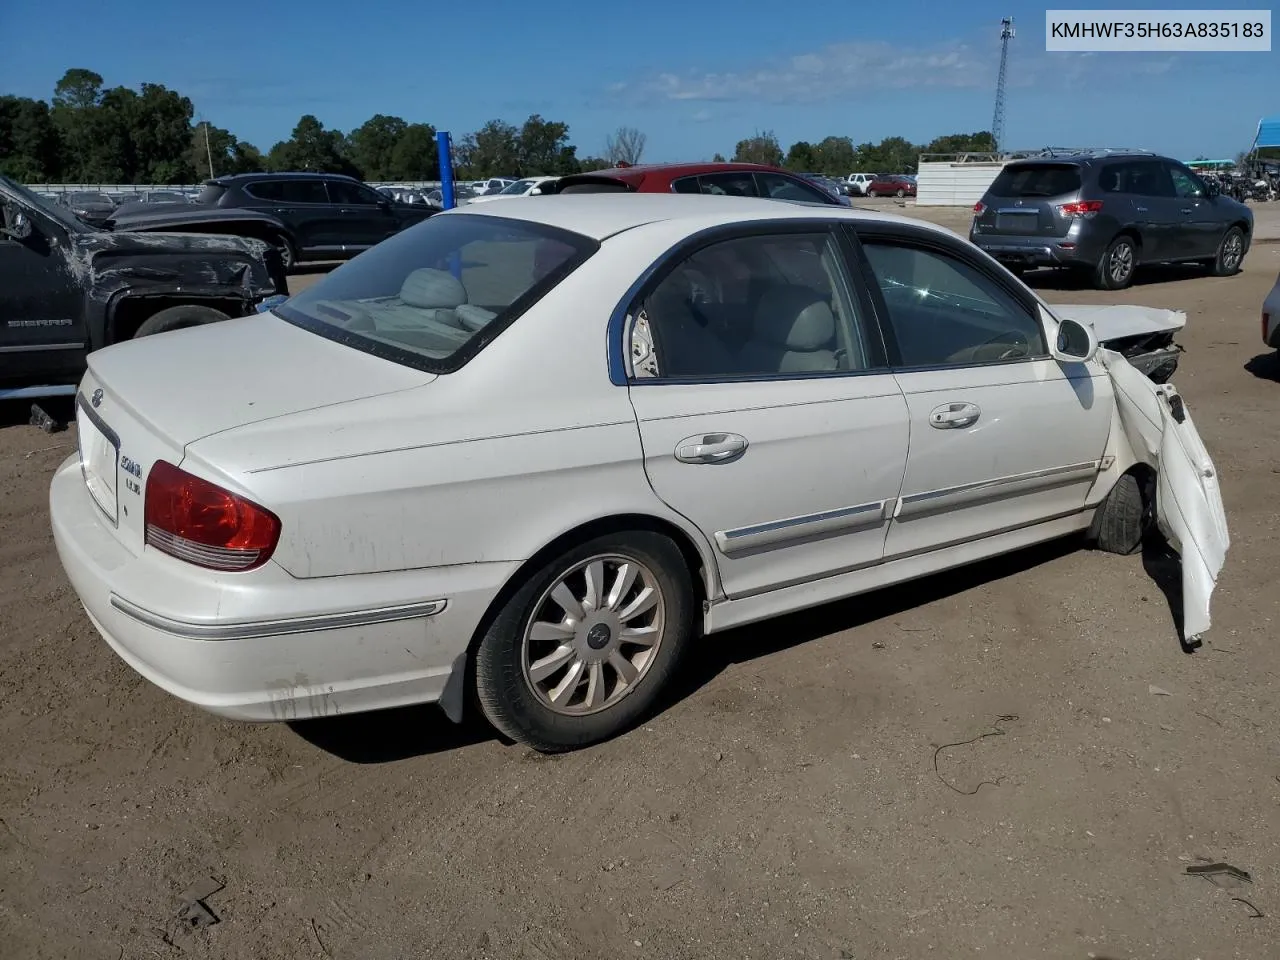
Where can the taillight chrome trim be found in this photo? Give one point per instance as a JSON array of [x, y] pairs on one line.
[[286, 626], [201, 554]]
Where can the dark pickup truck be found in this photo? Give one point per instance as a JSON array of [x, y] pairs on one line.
[[68, 288], [305, 216]]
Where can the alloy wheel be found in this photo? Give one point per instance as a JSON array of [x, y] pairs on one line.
[[1232, 252], [1120, 263], [593, 634]]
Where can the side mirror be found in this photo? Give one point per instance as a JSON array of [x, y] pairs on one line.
[[1076, 343], [17, 225]]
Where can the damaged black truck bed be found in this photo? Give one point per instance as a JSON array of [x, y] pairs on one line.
[[68, 288]]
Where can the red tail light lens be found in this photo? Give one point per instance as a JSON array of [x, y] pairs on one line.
[[1085, 208], [199, 522], [979, 208]]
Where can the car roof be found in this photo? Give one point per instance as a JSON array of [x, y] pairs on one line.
[[242, 177], [673, 170], [602, 215]]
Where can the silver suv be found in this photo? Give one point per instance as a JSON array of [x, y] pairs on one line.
[[1108, 213]]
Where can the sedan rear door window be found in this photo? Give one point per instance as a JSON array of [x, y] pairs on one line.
[[432, 296], [759, 306]]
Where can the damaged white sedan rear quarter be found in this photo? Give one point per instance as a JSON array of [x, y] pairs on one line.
[[520, 455]]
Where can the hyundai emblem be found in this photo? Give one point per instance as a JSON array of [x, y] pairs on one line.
[[96, 399]]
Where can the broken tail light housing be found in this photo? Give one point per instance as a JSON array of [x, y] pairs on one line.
[[199, 522], [1084, 209]]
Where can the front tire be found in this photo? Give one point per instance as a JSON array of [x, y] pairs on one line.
[[1115, 269], [901, 193], [586, 644], [1230, 254], [179, 318], [288, 256], [1123, 518]]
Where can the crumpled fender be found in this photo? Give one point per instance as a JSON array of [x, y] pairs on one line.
[[1189, 507]]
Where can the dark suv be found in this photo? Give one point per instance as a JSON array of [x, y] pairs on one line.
[[1108, 213], [306, 216]]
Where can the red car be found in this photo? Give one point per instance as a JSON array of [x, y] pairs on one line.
[[891, 185], [730, 179]]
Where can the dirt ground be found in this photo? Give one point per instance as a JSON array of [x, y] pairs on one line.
[[789, 801]]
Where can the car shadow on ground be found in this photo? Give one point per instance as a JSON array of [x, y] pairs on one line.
[[1265, 366], [1083, 279], [391, 735]]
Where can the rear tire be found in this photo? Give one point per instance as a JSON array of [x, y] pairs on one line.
[[179, 318], [1116, 268], [1123, 518], [288, 256], [536, 650], [901, 193], [1230, 254]]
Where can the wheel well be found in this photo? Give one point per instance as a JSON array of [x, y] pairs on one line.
[[131, 312], [1244, 227], [1130, 232], [587, 531]]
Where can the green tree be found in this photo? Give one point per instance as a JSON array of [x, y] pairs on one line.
[[29, 145], [981, 142], [718, 158], [160, 130], [75, 106], [229, 154], [761, 148], [78, 89], [835, 156], [415, 155], [491, 151], [312, 148], [374, 142], [544, 148], [802, 156]]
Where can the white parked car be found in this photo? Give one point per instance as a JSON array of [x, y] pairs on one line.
[[858, 183], [531, 456], [1271, 317], [529, 186], [483, 188]]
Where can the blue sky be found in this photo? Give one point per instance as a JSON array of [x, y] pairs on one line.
[[694, 77]]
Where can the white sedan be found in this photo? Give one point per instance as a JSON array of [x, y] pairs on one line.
[[529, 452], [528, 187]]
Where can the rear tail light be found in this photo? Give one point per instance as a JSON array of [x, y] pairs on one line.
[[979, 208], [1084, 208], [199, 522]]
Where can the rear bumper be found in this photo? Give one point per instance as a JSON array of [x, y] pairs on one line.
[[264, 645], [1037, 251]]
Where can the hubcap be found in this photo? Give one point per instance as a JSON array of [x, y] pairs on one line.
[[1121, 263], [594, 635], [1232, 252]]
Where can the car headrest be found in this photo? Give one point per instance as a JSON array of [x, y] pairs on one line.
[[433, 290], [798, 318]]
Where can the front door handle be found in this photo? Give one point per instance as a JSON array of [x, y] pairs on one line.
[[711, 448], [1141, 209], [1186, 209], [954, 416]]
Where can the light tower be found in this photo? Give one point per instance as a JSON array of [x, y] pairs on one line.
[[997, 121]]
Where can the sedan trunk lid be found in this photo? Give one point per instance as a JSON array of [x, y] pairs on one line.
[[144, 400]]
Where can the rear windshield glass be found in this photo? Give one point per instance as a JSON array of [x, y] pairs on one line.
[[432, 296], [1037, 180]]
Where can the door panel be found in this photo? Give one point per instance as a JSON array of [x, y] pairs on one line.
[[1002, 436], [811, 493], [42, 325], [766, 412], [1199, 226], [1031, 454]]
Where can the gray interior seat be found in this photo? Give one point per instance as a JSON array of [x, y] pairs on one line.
[[794, 332]]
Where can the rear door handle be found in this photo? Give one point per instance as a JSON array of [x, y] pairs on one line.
[[1186, 209], [954, 416], [711, 448], [1141, 209]]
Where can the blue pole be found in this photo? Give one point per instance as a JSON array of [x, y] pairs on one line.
[[445, 149]]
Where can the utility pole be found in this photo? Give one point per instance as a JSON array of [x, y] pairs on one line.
[[997, 121], [209, 150]]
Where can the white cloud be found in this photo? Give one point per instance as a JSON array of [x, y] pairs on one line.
[[702, 116], [831, 72], [839, 70]]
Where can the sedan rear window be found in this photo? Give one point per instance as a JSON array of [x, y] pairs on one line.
[[431, 296], [1037, 180]]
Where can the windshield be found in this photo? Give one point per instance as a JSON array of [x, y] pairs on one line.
[[519, 187], [49, 207], [88, 198], [432, 296]]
